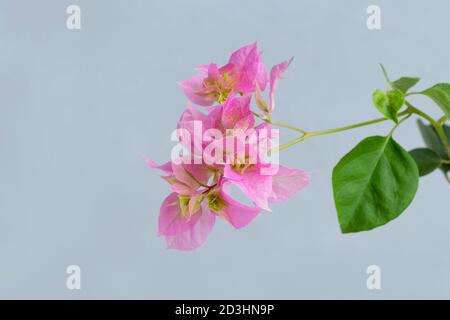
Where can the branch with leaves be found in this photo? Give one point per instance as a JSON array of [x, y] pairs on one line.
[[378, 179], [372, 184]]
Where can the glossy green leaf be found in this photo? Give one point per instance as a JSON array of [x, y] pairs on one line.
[[373, 184], [446, 167], [447, 131], [381, 102], [431, 138], [433, 142], [389, 103], [396, 100], [440, 94], [426, 159], [405, 83]]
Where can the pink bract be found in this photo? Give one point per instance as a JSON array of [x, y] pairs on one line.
[[240, 75]]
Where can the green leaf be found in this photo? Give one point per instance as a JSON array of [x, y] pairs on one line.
[[381, 102], [440, 94], [426, 159], [389, 103], [396, 100], [447, 131], [433, 142], [431, 139], [373, 184], [446, 167], [405, 83]]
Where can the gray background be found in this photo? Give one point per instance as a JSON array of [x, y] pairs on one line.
[[77, 108]]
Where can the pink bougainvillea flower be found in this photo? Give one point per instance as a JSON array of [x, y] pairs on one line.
[[263, 189], [196, 235], [250, 67], [236, 113], [275, 75], [260, 187], [185, 221], [165, 167], [236, 213], [256, 186], [241, 74], [201, 180], [190, 136], [286, 182], [188, 214], [265, 182], [212, 86]]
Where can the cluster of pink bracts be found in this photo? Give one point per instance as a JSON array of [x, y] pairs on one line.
[[201, 192]]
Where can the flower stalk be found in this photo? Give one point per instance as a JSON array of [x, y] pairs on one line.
[[437, 125]]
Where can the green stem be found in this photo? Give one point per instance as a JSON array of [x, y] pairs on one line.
[[385, 74], [282, 125], [307, 135], [442, 120], [436, 124], [420, 113], [353, 126], [288, 144]]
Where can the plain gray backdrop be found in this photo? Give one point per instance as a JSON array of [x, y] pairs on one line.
[[79, 107]]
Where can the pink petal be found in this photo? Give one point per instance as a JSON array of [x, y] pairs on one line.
[[239, 57], [251, 68], [166, 167], [171, 222], [257, 187], [264, 126], [181, 188], [260, 103], [194, 91], [192, 175], [268, 138], [215, 117], [287, 182], [181, 175], [228, 68], [195, 203], [238, 214], [237, 114], [231, 174], [213, 72], [261, 75], [191, 126], [191, 114], [203, 68], [275, 75], [201, 172], [195, 236]]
